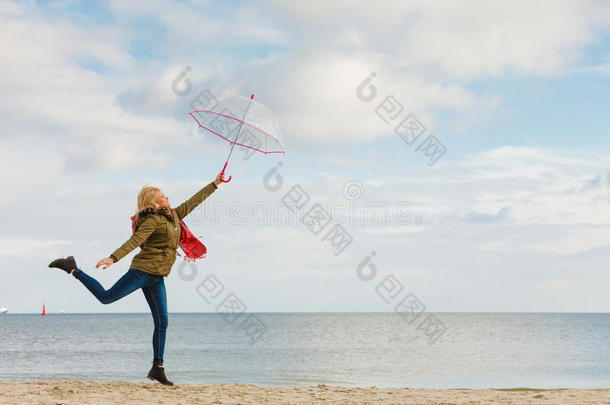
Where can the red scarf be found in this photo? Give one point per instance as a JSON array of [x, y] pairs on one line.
[[190, 245]]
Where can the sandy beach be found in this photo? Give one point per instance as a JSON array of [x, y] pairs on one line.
[[115, 392]]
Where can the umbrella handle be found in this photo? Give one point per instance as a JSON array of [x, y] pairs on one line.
[[223, 170]]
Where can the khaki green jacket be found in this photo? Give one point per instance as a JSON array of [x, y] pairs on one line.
[[159, 234]]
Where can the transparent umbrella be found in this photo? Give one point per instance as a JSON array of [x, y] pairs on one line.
[[242, 122]]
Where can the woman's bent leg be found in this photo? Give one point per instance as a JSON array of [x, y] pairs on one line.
[[157, 301], [131, 281]]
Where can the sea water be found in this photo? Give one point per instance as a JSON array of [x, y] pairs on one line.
[[477, 350]]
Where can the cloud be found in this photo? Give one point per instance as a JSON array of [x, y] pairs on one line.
[[465, 40], [54, 96], [199, 25], [31, 247], [483, 218], [472, 39], [313, 93], [546, 234]]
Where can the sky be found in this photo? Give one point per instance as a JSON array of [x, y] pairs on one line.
[[495, 199]]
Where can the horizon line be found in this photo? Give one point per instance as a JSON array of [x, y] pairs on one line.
[[312, 312]]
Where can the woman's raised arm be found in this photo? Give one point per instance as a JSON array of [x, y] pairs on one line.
[[189, 205]]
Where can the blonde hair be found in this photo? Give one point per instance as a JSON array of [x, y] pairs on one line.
[[148, 198]]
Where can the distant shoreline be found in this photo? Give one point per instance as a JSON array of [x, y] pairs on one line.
[[116, 392]]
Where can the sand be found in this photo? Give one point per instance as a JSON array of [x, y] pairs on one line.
[[115, 392]]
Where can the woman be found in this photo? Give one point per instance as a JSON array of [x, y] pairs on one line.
[[157, 231]]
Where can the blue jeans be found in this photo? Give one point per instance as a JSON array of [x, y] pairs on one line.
[[154, 291]]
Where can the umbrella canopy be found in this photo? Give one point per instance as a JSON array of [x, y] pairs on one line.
[[243, 122]]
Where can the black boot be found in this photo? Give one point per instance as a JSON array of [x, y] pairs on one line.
[[68, 264], [158, 373]]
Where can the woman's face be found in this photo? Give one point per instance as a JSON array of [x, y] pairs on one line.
[[162, 200]]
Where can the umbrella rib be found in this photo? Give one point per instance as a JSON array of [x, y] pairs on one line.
[[239, 130]]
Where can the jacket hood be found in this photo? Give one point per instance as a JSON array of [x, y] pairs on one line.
[[151, 211], [146, 212]]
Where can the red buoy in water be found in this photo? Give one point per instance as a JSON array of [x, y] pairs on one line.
[[44, 312]]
